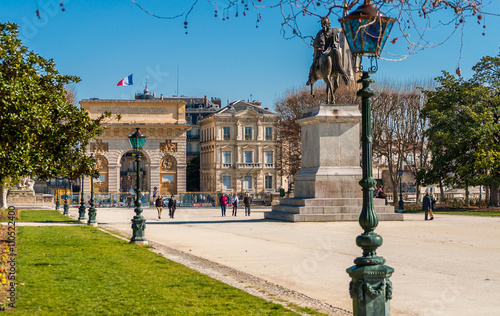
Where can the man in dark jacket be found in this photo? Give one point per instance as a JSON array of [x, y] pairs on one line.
[[159, 205], [247, 201], [426, 205], [172, 205]]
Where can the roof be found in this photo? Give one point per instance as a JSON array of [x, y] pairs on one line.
[[240, 106]]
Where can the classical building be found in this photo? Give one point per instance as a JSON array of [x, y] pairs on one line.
[[163, 121], [238, 150], [197, 109]]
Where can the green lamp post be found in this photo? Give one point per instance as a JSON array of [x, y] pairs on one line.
[[66, 206], [92, 211], [137, 141], [81, 209], [58, 203], [366, 30]]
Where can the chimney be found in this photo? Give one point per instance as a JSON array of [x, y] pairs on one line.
[[161, 96]]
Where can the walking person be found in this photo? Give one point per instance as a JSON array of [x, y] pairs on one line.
[[223, 204], [247, 201], [172, 205], [427, 205], [235, 204], [159, 205], [433, 204]]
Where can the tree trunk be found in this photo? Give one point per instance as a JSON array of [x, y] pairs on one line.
[[417, 193], [441, 190], [467, 201], [494, 196], [487, 193]]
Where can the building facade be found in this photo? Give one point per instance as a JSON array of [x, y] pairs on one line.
[[197, 109], [239, 148], [163, 167]]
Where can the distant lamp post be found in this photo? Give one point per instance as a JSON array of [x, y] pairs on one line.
[[81, 209], [366, 30], [92, 211], [401, 202], [66, 206], [58, 203], [137, 141]]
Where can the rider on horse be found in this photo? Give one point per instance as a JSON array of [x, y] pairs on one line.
[[326, 39]]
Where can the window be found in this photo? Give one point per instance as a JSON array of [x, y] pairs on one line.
[[188, 134], [248, 133], [188, 148], [248, 157], [269, 182], [226, 131], [269, 133], [226, 157], [268, 156], [226, 182], [247, 183]]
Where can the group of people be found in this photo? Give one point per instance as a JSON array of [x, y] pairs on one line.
[[160, 204], [428, 205], [225, 200]]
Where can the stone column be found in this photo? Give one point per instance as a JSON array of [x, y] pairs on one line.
[[113, 178]]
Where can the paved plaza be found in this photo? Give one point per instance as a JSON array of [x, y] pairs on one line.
[[448, 266]]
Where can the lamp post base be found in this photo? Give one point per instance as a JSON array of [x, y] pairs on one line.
[[370, 289], [92, 217], [401, 206], [138, 227], [81, 213], [66, 209]]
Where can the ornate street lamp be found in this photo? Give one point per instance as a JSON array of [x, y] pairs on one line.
[[81, 209], [92, 211], [401, 207], [366, 30], [137, 141], [66, 206]]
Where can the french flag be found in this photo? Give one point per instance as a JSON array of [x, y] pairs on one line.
[[127, 81]]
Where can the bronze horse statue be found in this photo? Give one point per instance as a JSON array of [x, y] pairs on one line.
[[329, 68]]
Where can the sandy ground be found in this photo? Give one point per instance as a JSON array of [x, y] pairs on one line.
[[443, 267]]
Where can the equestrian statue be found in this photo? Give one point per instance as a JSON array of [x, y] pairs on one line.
[[327, 63]]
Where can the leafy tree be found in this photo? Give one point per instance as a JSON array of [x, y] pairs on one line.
[[42, 135], [398, 130], [464, 135]]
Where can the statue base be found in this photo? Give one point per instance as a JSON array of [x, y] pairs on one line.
[[21, 196], [327, 186]]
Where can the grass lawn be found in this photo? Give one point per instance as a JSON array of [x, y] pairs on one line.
[[83, 271], [42, 216]]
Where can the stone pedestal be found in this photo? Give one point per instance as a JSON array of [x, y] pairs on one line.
[[327, 185], [21, 196]]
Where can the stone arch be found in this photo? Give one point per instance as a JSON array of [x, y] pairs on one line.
[[168, 175]]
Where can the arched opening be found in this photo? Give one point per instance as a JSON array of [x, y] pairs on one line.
[[128, 173]]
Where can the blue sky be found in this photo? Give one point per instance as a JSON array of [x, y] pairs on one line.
[[104, 41]]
